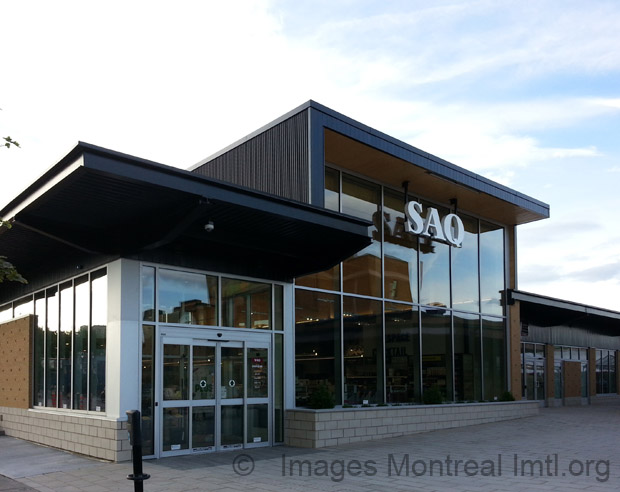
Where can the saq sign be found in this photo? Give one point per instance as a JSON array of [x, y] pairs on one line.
[[449, 229]]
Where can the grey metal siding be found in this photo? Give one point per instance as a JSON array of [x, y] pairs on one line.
[[274, 161]]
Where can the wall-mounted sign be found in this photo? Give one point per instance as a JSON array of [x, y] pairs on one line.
[[449, 229]]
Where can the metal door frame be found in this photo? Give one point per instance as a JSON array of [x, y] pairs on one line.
[[216, 339]]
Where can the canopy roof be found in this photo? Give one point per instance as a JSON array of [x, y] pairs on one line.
[[96, 205]]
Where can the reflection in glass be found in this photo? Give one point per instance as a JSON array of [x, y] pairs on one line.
[[434, 273], [148, 390], [437, 351], [51, 339], [278, 396], [232, 426], [400, 251], [361, 274], [612, 371], [557, 379], [203, 428], [332, 189], [148, 293], [246, 304], [530, 381], [99, 320], [467, 360], [176, 429], [584, 380], [203, 373], [6, 312], [465, 296], [23, 307], [258, 423], [278, 307], [363, 350], [326, 280], [39, 350], [64, 345], [540, 381], [232, 372], [494, 358], [491, 268], [317, 344], [186, 297], [176, 373], [80, 348], [402, 353], [258, 381]]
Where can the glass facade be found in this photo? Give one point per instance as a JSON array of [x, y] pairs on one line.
[[200, 300], [605, 371], [69, 342], [408, 313]]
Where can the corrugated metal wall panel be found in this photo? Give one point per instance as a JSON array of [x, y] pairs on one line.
[[275, 161]]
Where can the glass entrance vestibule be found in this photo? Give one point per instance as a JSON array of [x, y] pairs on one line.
[[212, 362], [215, 393]]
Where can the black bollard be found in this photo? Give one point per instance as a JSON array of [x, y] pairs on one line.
[[134, 427]]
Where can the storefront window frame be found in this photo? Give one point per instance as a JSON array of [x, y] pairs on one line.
[[417, 304]]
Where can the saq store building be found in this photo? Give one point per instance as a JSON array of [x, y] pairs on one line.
[[315, 254]]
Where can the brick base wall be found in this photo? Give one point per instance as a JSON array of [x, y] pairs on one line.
[[88, 434], [307, 428]]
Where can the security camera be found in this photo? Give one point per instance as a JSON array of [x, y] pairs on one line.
[[209, 227]]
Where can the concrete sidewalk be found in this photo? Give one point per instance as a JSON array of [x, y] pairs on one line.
[[560, 449]]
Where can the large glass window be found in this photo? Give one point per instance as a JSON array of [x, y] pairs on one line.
[[332, 189], [317, 344], [493, 357], [465, 286], [402, 353], [246, 304], [51, 347], [69, 348], [99, 321], [434, 273], [148, 293], [400, 251], [605, 371], [437, 351], [363, 350], [80, 346], [453, 349], [361, 274], [148, 390], [467, 361], [491, 268], [64, 345], [23, 307], [185, 297]]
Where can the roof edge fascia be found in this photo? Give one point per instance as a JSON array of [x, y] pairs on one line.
[[519, 295]]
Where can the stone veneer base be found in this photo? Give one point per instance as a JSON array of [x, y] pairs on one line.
[[308, 428], [87, 434]]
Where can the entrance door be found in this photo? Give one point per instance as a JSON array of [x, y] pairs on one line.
[[215, 395], [534, 371]]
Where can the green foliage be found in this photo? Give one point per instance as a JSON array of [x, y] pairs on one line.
[[506, 396], [8, 141], [433, 396], [321, 398], [9, 273]]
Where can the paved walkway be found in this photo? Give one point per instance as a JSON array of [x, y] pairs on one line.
[[563, 449]]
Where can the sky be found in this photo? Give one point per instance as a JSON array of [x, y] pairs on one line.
[[524, 93]]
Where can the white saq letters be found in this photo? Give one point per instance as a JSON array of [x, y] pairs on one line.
[[449, 229]]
